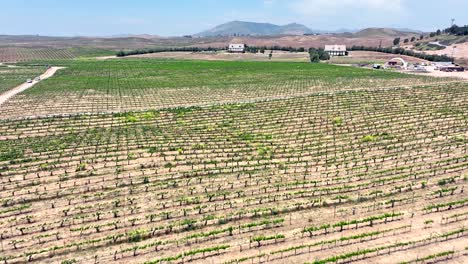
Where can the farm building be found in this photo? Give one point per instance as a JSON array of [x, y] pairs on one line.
[[452, 68], [236, 48], [397, 63], [439, 65], [336, 50]]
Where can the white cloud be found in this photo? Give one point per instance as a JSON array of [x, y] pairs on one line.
[[326, 7]]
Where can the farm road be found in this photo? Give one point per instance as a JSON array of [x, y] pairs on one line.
[[7, 95]]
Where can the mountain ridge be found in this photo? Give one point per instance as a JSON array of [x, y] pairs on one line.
[[244, 28], [254, 29]]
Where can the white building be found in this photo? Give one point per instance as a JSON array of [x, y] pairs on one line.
[[236, 48], [439, 65], [336, 50]]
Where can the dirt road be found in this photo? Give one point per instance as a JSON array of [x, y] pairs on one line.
[[7, 95], [106, 57]]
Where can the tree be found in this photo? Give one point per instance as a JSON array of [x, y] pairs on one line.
[[413, 39], [406, 41], [433, 34], [456, 30], [396, 41], [421, 37], [314, 57], [438, 33], [323, 55]]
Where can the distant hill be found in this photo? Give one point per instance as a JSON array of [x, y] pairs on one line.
[[409, 30], [242, 28], [255, 29], [143, 36], [385, 32]]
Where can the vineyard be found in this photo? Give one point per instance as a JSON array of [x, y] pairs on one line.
[[17, 54], [10, 77], [137, 85], [155, 161]]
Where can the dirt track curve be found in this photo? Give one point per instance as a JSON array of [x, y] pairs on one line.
[[9, 94]]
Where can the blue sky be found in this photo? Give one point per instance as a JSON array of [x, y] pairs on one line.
[[179, 17]]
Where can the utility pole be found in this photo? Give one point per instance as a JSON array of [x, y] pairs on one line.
[[453, 50]]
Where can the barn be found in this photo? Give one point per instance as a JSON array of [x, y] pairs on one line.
[[336, 50], [236, 48]]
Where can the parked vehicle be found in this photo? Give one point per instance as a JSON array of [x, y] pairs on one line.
[[29, 81], [37, 79]]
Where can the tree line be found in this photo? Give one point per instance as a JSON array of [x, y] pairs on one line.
[[456, 30], [397, 41], [159, 50], [453, 30], [249, 49], [316, 55], [262, 49], [402, 51]]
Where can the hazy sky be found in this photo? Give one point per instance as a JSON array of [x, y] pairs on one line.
[[179, 17]]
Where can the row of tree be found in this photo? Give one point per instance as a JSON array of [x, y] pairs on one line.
[[262, 49], [402, 51], [250, 49], [456, 30], [453, 30], [397, 41], [158, 50], [316, 55]]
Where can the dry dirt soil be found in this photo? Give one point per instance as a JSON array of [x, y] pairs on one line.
[[277, 56], [460, 54], [461, 51], [370, 56], [139, 42], [434, 73]]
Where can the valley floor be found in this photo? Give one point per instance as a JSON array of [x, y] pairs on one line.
[[165, 161]]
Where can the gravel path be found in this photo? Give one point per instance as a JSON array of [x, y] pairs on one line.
[[7, 95]]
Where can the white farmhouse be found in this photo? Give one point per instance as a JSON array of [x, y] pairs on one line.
[[236, 48], [336, 50]]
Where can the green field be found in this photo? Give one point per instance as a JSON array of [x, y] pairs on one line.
[[165, 161], [121, 85], [123, 75], [30, 54], [11, 77]]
